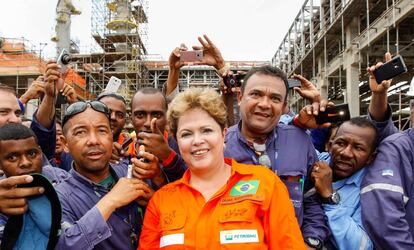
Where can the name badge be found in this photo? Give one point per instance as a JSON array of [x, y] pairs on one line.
[[172, 239], [238, 236]]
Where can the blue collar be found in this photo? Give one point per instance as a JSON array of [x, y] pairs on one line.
[[355, 179], [90, 184], [269, 140]]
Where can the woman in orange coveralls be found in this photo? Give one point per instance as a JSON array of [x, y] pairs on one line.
[[218, 203]]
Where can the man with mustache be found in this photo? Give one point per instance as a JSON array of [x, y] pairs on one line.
[[98, 203], [351, 150], [149, 108], [259, 139]]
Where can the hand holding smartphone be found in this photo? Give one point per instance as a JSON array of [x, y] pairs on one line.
[[293, 82], [390, 69], [191, 56], [338, 113]]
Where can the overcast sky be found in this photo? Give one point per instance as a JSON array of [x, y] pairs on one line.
[[242, 29]]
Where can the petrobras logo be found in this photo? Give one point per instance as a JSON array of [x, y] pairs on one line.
[[239, 236]]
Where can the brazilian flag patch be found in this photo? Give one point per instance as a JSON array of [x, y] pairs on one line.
[[245, 187]]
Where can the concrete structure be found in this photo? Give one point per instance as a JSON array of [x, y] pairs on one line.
[[332, 42], [64, 10]]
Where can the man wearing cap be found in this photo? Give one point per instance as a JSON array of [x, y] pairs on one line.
[[98, 203], [20, 155]]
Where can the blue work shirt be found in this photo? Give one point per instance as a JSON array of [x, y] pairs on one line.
[[46, 138], [386, 127], [387, 194], [66, 160], [344, 219], [292, 156], [83, 226], [54, 175]]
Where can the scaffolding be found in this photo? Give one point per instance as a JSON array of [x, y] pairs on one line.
[[195, 75], [20, 63], [332, 42], [120, 30]]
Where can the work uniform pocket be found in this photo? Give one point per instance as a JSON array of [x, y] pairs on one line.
[[240, 220], [172, 220], [294, 184]]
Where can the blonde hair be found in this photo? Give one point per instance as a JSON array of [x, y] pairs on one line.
[[206, 99]]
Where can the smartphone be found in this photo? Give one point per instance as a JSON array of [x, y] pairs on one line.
[[63, 60], [126, 143], [113, 85], [191, 56], [338, 113], [293, 82], [60, 100], [390, 69]]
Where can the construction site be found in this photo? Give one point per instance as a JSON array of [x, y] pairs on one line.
[[120, 31], [330, 42]]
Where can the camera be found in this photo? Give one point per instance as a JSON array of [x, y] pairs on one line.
[[63, 60], [233, 80]]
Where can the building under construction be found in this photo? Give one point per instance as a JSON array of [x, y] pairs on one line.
[[119, 28], [332, 42]]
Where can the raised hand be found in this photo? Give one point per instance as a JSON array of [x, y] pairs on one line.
[[174, 60], [383, 86], [35, 90], [154, 142], [70, 93], [211, 54]]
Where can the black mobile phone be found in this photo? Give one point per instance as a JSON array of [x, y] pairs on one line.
[[338, 113], [60, 100], [292, 82], [390, 69], [126, 143]]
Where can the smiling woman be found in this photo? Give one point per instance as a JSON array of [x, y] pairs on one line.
[[243, 206]]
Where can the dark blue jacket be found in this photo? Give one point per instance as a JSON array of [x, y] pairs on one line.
[[292, 155], [387, 194]]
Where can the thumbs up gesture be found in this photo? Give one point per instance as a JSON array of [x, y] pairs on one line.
[[154, 142]]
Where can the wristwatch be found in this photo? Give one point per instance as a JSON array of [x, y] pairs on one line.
[[332, 199], [313, 242]]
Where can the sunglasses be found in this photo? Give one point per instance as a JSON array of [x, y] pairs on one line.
[[79, 107], [260, 150]]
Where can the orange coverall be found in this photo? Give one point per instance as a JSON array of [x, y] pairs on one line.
[[252, 211]]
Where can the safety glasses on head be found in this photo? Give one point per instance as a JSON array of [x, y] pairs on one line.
[[79, 107]]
